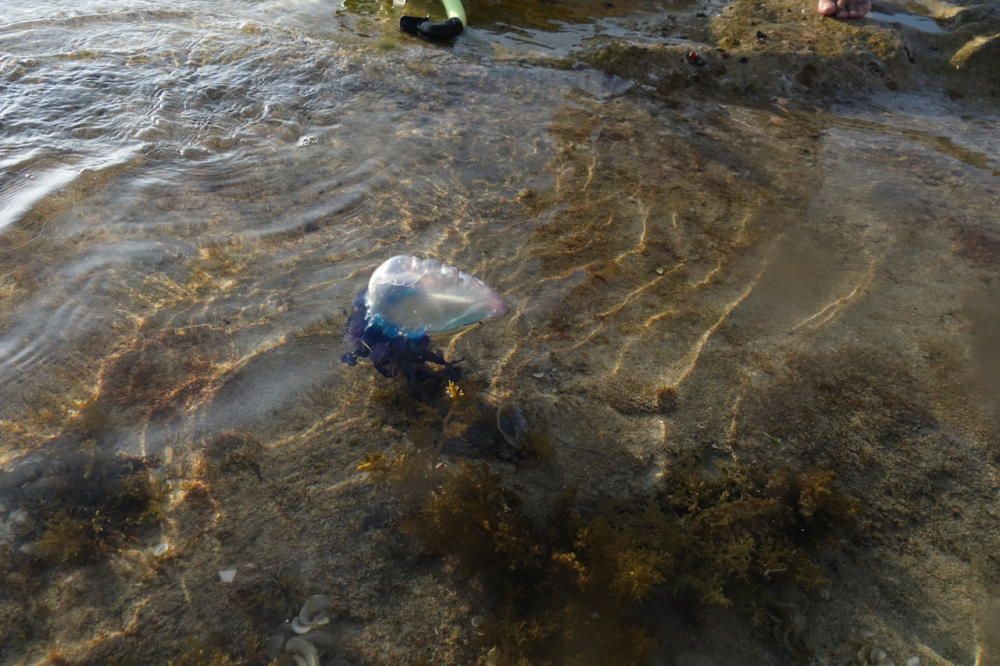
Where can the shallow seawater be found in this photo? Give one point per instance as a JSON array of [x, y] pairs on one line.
[[192, 194], [921, 23]]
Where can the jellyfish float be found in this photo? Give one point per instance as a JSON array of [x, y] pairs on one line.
[[409, 300]]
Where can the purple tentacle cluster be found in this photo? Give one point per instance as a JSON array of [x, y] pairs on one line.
[[393, 355]]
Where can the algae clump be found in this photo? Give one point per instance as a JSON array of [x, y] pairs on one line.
[[568, 581], [91, 504]]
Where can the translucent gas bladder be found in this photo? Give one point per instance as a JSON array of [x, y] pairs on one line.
[[414, 297], [409, 299]]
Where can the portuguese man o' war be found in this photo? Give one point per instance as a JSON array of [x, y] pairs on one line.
[[407, 301]]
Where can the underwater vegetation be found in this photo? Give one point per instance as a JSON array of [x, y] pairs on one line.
[[568, 582], [273, 628], [232, 453], [407, 301], [198, 655], [270, 599], [460, 418], [88, 504], [70, 505]]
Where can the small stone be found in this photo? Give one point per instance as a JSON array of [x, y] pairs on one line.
[[538, 375], [161, 548], [660, 270], [913, 661], [18, 525], [512, 425], [227, 575], [878, 657]]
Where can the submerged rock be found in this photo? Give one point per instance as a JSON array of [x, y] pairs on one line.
[[512, 425]]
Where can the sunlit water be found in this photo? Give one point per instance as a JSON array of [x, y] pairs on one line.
[[192, 193]]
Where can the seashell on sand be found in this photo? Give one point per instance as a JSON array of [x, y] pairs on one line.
[[303, 652]]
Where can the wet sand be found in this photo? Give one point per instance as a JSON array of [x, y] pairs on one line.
[[788, 262]]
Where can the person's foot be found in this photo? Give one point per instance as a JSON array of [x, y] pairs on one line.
[[845, 8]]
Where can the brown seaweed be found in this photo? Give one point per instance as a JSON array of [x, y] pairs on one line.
[[568, 581]]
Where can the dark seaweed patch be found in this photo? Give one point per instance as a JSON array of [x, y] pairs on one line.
[[569, 582], [87, 503]]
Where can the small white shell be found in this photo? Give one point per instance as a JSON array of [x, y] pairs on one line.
[[314, 611], [227, 575], [302, 651]]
